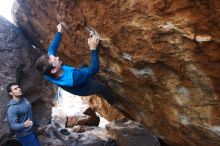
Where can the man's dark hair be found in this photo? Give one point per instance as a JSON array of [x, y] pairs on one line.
[[43, 65], [9, 86]]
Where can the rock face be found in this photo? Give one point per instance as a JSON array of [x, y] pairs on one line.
[[161, 58], [94, 137], [130, 133], [18, 59], [88, 117]]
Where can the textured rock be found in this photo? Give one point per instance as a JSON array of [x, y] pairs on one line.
[[88, 117], [17, 59], [130, 133], [101, 106], [161, 58], [94, 137], [55, 133]]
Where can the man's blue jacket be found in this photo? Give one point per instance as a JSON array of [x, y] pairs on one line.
[[73, 80]]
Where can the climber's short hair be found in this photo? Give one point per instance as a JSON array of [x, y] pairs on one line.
[[9, 86], [43, 65]]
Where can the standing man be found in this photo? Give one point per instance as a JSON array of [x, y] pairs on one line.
[[71, 79], [20, 117]]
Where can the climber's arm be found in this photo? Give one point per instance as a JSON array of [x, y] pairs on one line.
[[52, 50]]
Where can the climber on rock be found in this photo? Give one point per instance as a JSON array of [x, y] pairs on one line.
[[76, 81], [19, 116]]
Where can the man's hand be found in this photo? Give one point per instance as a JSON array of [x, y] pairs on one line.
[[28, 123], [93, 42], [60, 27]]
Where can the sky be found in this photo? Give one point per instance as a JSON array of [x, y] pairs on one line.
[[5, 9]]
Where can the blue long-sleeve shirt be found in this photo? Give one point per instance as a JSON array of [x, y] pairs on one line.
[[19, 112], [73, 80]]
